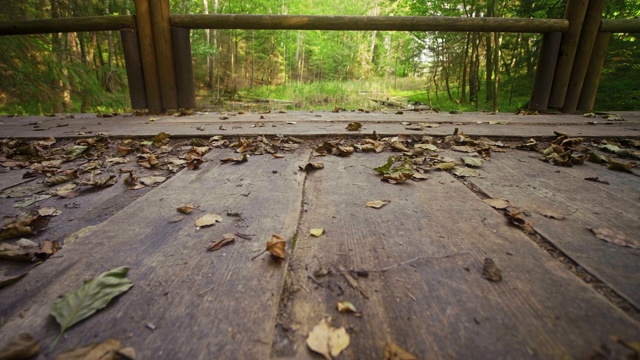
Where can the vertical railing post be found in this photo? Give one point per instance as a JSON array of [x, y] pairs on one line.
[[160, 13], [545, 70], [583, 54], [148, 56], [133, 63], [184, 68], [575, 11], [592, 79]]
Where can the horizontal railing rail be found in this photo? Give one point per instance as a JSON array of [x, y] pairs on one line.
[[303, 22]]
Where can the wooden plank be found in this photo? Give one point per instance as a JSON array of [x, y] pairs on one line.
[[545, 70], [164, 52], [583, 55], [202, 304], [387, 23], [592, 79], [148, 53], [531, 184], [63, 25], [575, 12], [185, 82], [424, 253], [133, 63]]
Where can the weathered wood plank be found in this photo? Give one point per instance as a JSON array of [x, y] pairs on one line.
[[203, 304], [531, 184], [424, 255], [185, 83]]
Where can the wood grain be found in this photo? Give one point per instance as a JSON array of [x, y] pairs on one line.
[[533, 185], [203, 305], [423, 255]]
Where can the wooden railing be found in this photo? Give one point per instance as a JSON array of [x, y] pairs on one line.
[[157, 46]]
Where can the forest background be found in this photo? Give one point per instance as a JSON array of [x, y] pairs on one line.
[[85, 72]]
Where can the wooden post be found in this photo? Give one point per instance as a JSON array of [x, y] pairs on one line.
[[575, 12], [185, 83], [583, 54], [160, 13], [148, 56], [133, 63], [545, 70], [592, 80]]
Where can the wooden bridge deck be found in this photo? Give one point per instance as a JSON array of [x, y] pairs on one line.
[[413, 268]]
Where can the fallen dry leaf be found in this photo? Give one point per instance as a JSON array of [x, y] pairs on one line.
[[316, 232], [24, 346], [354, 126], [217, 244], [395, 352], [312, 166], [346, 306], [377, 204], [490, 271], [194, 164], [47, 249], [242, 159], [110, 349], [327, 340], [49, 211], [516, 218], [152, 180], [551, 214], [497, 203], [277, 246], [615, 237], [208, 220], [188, 208], [466, 172]]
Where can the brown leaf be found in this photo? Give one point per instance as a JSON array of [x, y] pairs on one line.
[[551, 214], [354, 126], [110, 349], [395, 352], [516, 218], [208, 220], [377, 204], [24, 346], [397, 177], [615, 237], [619, 166], [277, 246], [497, 203], [61, 178], [152, 180], [226, 240], [15, 252], [47, 249], [312, 166], [194, 164], [490, 271], [161, 139], [49, 211], [242, 159], [398, 146], [188, 208]]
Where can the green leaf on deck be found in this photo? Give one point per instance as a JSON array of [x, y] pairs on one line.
[[161, 139], [466, 172], [94, 295], [76, 150], [397, 169]]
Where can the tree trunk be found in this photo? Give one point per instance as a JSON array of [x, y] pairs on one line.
[[465, 58], [497, 39]]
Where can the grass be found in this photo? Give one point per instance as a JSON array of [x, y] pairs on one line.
[[358, 94]]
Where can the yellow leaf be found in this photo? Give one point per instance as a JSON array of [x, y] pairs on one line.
[[377, 203], [316, 232], [327, 340], [346, 306], [188, 208], [208, 220], [395, 352]]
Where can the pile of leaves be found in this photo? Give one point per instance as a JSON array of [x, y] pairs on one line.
[[569, 151]]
